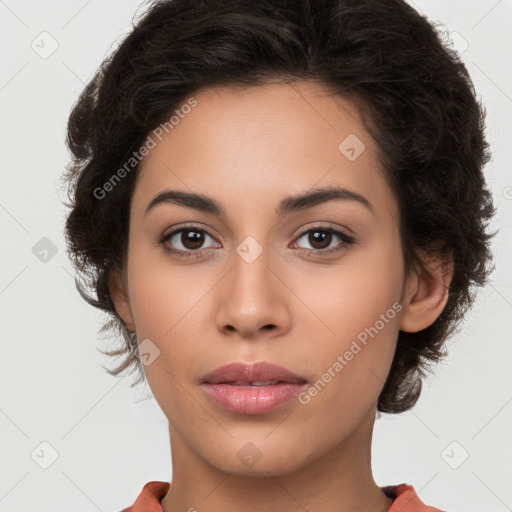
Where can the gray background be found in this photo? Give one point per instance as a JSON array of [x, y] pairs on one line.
[[109, 439]]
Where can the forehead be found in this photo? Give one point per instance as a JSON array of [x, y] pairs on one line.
[[252, 142]]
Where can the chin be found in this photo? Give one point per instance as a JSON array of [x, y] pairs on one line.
[[246, 458], [261, 469]]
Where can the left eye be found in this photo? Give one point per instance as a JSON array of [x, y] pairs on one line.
[[321, 238]]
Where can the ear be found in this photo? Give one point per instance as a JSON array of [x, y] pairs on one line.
[[118, 286], [426, 293]]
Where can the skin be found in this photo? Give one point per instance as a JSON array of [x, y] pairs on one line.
[[248, 148]]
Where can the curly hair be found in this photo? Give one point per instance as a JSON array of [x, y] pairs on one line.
[[415, 96]]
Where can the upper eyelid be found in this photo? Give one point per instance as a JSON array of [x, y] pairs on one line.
[[184, 227]]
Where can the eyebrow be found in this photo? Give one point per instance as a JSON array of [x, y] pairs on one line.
[[288, 205]]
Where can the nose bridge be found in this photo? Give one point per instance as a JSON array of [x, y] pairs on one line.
[[250, 273], [251, 298]]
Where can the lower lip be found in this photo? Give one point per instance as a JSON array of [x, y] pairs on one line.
[[252, 400]]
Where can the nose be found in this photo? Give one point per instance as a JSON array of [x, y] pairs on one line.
[[253, 298]]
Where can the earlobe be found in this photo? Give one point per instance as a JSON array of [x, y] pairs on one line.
[[118, 292], [426, 295]]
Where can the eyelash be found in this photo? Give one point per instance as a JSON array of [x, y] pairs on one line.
[[347, 240]]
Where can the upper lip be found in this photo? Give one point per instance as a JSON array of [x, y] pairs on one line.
[[250, 372]]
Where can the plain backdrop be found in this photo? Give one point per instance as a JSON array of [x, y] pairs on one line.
[[102, 440]]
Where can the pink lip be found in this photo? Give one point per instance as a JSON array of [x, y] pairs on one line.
[[246, 399]]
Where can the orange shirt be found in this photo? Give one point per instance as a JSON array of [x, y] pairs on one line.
[[406, 499]]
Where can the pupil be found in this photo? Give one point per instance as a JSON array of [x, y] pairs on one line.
[[320, 237], [192, 241]]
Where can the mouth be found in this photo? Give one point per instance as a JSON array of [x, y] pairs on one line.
[[254, 384], [252, 388], [261, 373]]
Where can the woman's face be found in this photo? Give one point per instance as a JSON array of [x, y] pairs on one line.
[[268, 279]]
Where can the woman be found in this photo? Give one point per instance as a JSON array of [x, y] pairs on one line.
[[282, 207]]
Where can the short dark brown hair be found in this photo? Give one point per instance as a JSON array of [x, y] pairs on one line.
[[415, 96]]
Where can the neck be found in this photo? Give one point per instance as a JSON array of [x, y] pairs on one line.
[[340, 479]]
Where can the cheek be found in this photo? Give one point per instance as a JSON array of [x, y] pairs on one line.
[[355, 329], [162, 308], [351, 297], [164, 305], [163, 296]]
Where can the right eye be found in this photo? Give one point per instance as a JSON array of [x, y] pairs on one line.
[[185, 241]]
